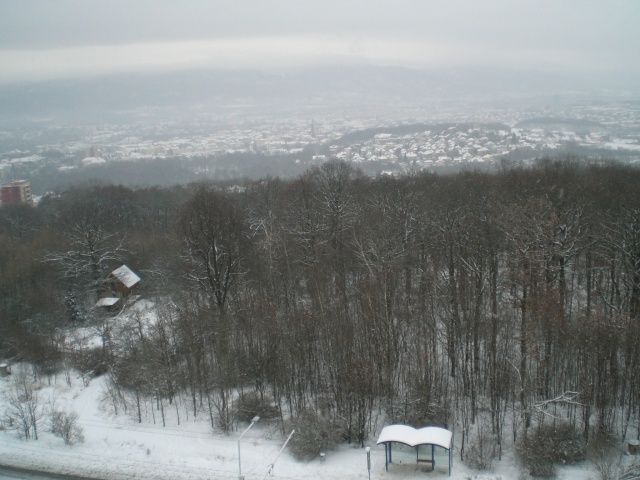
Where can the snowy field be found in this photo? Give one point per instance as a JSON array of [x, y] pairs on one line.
[[116, 447]]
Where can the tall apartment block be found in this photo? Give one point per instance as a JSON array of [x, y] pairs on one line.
[[16, 192]]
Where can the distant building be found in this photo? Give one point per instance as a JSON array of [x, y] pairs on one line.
[[16, 193]]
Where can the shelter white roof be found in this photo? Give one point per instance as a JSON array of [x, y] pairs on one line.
[[126, 276], [107, 301], [440, 437]]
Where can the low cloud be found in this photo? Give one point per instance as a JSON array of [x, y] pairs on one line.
[[285, 52]]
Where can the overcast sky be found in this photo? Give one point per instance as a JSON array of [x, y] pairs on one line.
[[42, 39]]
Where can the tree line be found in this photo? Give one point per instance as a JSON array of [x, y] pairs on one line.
[[495, 299]]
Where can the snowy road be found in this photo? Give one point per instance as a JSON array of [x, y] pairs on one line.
[[7, 473]]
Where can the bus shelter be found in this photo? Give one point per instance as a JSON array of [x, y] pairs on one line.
[[416, 437]]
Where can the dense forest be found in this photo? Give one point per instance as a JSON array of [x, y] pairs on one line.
[[489, 302]]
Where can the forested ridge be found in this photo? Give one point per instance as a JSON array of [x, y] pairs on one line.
[[496, 299]]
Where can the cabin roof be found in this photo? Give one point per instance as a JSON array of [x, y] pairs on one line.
[[126, 276]]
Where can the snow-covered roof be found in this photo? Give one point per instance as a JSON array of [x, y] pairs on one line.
[[107, 302], [126, 276], [413, 437]]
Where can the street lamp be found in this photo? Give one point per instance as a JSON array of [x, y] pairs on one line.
[[253, 420], [273, 464]]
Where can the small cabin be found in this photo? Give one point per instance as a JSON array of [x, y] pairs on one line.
[[117, 287], [109, 304], [123, 281], [5, 370]]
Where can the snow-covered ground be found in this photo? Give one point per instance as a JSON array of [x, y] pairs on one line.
[[116, 447], [141, 314]]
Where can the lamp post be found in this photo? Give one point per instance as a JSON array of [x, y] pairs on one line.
[[273, 464], [253, 421]]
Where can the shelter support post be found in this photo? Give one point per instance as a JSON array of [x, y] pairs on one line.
[[386, 457], [433, 460]]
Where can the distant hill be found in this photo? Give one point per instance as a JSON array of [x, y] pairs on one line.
[[126, 96], [553, 123]]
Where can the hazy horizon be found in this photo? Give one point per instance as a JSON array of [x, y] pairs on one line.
[[72, 39]]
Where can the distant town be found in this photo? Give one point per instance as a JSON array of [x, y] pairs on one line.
[[379, 145]]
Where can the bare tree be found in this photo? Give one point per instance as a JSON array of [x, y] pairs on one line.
[[25, 411]]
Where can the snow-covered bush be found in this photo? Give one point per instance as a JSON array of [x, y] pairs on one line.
[[314, 434], [605, 453], [482, 450], [616, 469], [65, 425], [90, 362], [630, 472], [251, 404], [550, 445]]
